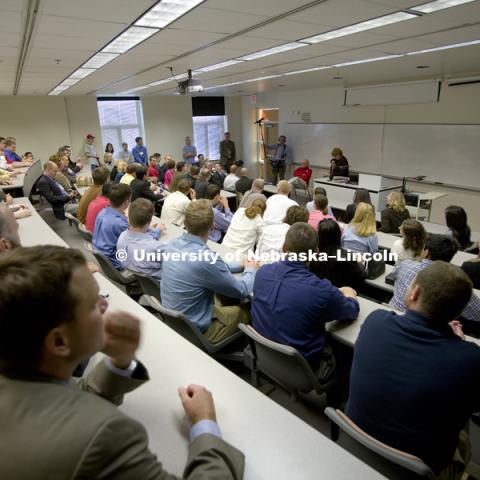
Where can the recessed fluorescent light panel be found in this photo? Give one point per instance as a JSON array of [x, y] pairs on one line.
[[445, 47], [82, 73], [306, 70], [100, 59], [366, 60], [267, 77], [128, 39], [438, 5], [166, 12], [361, 27], [272, 51], [217, 66]]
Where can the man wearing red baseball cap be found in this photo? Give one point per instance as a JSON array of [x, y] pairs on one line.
[[91, 153]]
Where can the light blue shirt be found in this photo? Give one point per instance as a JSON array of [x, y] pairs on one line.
[[140, 154], [125, 155], [354, 243], [143, 252], [190, 149], [189, 285], [221, 222]]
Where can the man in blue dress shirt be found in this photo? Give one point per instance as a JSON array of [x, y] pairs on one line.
[[190, 281], [291, 305], [414, 380], [139, 152], [222, 215], [189, 152]]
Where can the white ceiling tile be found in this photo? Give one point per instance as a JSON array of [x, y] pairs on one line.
[[457, 35], [414, 26], [361, 39], [398, 4], [12, 5], [269, 8], [288, 30], [193, 38], [10, 22], [462, 14], [68, 43], [406, 45]]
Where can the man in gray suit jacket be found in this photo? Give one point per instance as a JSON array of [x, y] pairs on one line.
[[51, 319]]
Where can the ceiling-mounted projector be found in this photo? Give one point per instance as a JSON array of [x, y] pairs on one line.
[[189, 86]]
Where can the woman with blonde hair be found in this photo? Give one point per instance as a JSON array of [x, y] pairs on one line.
[[245, 227], [413, 241], [121, 168], [395, 213], [361, 233]]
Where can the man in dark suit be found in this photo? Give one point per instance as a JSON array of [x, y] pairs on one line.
[[141, 188], [218, 175], [414, 379], [54, 193], [73, 433], [245, 183]]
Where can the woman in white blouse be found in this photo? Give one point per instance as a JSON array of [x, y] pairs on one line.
[[245, 227], [413, 241]]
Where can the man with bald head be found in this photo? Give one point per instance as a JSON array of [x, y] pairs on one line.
[[278, 204], [255, 193], [245, 183], [60, 200]]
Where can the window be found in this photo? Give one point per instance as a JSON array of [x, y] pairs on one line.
[[121, 120], [208, 133]]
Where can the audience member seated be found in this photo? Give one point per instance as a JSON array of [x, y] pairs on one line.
[[75, 166], [311, 205], [360, 195], [222, 215], [218, 175], [456, 220], [413, 241], [291, 305], [394, 214], [231, 179], [340, 272], [111, 222], [129, 175], [118, 171], [170, 164], [202, 183], [277, 205], [180, 172], [245, 228], [320, 212], [153, 166], [361, 233], [18, 210], [97, 205], [10, 153], [193, 174], [175, 204], [190, 285], [437, 247], [60, 176], [414, 379], [270, 243], [472, 269], [75, 430], [244, 184], [162, 169], [9, 237], [255, 193], [100, 176], [141, 188], [304, 172], [66, 170], [139, 243], [60, 200]]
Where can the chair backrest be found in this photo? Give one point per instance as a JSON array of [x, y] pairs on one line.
[[110, 271], [149, 285], [283, 364], [31, 176], [178, 322], [398, 457]]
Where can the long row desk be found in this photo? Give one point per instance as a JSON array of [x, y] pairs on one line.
[[277, 444]]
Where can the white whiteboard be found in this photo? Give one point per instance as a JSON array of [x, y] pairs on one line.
[[444, 153]]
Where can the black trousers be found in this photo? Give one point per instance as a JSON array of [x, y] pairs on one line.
[[278, 171]]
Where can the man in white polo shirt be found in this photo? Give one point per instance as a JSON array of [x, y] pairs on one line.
[[278, 204]]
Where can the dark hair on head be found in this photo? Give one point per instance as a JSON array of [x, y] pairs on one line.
[[119, 194], [141, 172], [456, 220], [301, 238], [212, 191], [362, 195], [132, 168], [321, 202], [184, 185], [441, 247], [194, 170], [109, 148], [35, 297], [320, 190], [140, 213], [100, 175], [137, 139], [414, 236], [171, 164], [329, 236], [180, 166], [106, 189], [296, 214], [445, 291]]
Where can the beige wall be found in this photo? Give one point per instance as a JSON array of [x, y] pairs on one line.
[[457, 105], [233, 111]]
